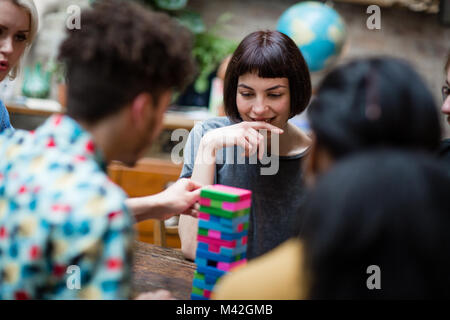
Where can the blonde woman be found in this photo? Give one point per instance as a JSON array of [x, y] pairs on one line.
[[18, 28]]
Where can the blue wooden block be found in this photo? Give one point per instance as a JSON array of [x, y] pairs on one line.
[[233, 236], [229, 252], [226, 221], [217, 257], [211, 271], [197, 297], [201, 284], [202, 245], [225, 235], [233, 252], [207, 278], [235, 221], [216, 226], [211, 279], [201, 261], [213, 218]]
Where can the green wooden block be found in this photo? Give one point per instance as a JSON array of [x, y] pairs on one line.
[[203, 232], [216, 204], [197, 291], [224, 213], [199, 276], [219, 195]]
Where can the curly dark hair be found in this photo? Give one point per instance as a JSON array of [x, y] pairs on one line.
[[121, 50]]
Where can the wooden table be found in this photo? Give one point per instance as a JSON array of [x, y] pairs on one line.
[[161, 268]]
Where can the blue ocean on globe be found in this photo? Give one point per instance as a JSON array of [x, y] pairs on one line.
[[318, 31]]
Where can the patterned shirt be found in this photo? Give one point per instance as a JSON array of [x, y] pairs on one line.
[[65, 232]]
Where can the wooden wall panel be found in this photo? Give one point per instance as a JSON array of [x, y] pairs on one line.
[[149, 176]]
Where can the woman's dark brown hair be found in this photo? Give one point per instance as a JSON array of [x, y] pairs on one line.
[[269, 54]]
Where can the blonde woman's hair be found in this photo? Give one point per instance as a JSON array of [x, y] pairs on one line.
[[30, 7]]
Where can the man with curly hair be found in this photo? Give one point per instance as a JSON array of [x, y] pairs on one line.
[[60, 215]]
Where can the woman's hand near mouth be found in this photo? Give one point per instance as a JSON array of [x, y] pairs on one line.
[[245, 134]]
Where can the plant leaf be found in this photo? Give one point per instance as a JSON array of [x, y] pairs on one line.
[[191, 20], [171, 4]]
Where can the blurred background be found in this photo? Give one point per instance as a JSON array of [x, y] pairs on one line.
[[416, 30]]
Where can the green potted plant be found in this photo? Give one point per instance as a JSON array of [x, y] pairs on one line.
[[209, 49]]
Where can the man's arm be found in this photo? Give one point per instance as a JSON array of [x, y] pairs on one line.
[[179, 198]]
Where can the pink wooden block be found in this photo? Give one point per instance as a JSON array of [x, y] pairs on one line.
[[240, 227], [223, 266], [219, 242], [205, 202], [244, 240], [236, 206], [207, 293], [238, 263], [203, 216], [227, 266], [213, 248], [214, 234]]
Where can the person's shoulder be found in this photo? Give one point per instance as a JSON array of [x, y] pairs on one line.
[[288, 252], [11, 135], [11, 138], [262, 278], [215, 122], [86, 190], [90, 177]]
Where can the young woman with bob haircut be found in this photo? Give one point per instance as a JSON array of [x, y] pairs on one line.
[[267, 82]]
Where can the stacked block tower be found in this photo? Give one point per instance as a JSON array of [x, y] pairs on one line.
[[222, 235]]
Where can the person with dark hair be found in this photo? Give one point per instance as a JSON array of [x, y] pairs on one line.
[[266, 83], [444, 150], [59, 212], [371, 103], [376, 227], [362, 105]]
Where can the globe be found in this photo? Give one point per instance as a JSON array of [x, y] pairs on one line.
[[318, 31]]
